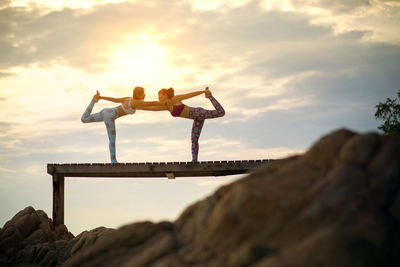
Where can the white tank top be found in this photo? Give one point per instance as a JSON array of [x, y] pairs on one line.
[[127, 106]]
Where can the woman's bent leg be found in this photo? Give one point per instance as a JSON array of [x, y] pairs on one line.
[[110, 114], [219, 110], [88, 117], [201, 113], [196, 131]]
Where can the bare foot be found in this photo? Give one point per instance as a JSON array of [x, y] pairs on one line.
[[96, 97], [207, 93]]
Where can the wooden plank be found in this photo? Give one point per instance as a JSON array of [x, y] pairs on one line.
[[159, 169]]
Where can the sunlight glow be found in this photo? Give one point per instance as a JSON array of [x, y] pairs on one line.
[[61, 4], [216, 4], [142, 58]]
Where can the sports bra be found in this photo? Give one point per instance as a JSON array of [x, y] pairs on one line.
[[177, 110], [128, 110]]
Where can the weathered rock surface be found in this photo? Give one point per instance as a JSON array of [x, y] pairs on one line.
[[26, 229], [336, 205], [30, 238]]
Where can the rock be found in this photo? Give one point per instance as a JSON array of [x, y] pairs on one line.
[[56, 253], [336, 205], [88, 238], [28, 236], [29, 227], [138, 244]]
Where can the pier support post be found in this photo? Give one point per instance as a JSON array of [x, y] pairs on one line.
[[58, 199]]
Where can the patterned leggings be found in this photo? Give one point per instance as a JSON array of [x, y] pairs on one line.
[[199, 115], [108, 115]]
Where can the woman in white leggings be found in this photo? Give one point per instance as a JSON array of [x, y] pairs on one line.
[[109, 115]]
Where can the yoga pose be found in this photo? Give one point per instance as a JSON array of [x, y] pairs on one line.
[[109, 115], [173, 103]]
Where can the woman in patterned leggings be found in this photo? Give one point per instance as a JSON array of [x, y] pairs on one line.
[[109, 115], [174, 104]]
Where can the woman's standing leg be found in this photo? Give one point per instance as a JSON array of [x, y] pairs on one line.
[[110, 114], [196, 131], [199, 115]]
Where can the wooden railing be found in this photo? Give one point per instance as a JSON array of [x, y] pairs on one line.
[[143, 170]]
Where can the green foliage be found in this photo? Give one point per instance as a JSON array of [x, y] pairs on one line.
[[390, 113]]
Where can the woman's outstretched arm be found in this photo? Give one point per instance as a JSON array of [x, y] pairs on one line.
[[112, 99], [115, 100], [154, 108], [189, 95], [138, 104]]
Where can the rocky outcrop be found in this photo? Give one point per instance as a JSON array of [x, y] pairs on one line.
[[30, 238], [88, 238], [56, 253], [27, 229], [336, 205]]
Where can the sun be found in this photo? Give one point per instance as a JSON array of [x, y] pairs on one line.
[[140, 58]]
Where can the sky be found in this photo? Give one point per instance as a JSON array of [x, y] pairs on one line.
[[286, 72]]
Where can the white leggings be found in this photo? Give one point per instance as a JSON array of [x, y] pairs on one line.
[[108, 115]]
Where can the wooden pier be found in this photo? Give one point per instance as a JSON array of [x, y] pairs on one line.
[[140, 170]]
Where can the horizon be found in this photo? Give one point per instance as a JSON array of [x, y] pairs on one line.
[[286, 73]]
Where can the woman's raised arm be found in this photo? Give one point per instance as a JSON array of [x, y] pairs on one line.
[[112, 99], [189, 95], [116, 100]]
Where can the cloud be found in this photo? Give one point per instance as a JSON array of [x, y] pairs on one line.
[[6, 74], [379, 18], [5, 127], [4, 3], [75, 37], [231, 40], [237, 149], [83, 38], [2, 169], [341, 6]]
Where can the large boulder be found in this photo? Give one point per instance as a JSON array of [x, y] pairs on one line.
[[336, 205]]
